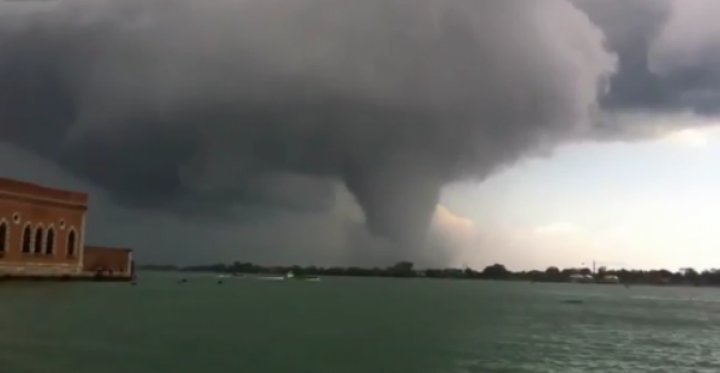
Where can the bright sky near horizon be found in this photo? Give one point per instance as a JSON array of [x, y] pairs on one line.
[[642, 204]]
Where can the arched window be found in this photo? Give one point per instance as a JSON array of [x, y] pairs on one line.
[[3, 236], [38, 240], [50, 242], [27, 234], [71, 244]]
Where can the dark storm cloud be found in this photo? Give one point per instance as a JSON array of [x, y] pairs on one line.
[[630, 26], [668, 56], [687, 52], [203, 105]]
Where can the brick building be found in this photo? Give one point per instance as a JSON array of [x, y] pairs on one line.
[[109, 262], [42, 231]]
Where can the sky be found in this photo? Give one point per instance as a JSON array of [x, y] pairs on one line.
[[648, 204], [453, 133]]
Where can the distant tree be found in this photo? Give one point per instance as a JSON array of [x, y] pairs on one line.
[[664, 273], [495, 271], [553, 274], [536, 275], [710, 277], [690, 274], [297, 270], [470, 273], [402, 269]]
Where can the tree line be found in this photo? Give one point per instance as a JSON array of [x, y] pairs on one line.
[[685, 276]]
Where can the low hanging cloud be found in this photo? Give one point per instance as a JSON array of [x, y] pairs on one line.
[[668, 53], [239, 111], [688, 40], [196, 106]]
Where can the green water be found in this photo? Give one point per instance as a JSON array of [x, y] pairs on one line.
[[355, 325]]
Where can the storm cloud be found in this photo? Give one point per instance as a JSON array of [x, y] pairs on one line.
[[203, 105], [238, 113], [667, 51]]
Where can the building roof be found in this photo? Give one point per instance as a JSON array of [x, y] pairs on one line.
[[38, 193]]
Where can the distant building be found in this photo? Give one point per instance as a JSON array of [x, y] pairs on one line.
[[42, 232], [108, 262]]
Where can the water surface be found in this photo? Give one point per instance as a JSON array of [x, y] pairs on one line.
[[355, 325]]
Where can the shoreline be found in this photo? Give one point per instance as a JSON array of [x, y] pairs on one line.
[[418, 277], [65, 278]]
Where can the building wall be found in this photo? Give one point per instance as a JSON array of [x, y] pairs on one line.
[[108, 261], [42, 210]]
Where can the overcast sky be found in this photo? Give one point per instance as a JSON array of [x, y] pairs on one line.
[[642, 204], [455, 132]]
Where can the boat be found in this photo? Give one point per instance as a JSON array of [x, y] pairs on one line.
[[609, 279], [307, 278], [271, 278], [290, 276], [588, 279], [581, 279]]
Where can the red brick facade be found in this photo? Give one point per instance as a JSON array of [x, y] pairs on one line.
[[42, 230], [108, 262], [42, 234]]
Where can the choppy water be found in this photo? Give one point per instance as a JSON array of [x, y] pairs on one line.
[[356, 325]]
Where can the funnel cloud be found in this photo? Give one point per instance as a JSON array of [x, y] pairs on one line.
[[236, 110]]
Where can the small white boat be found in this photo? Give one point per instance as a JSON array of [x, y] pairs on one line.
[[289, 276], [271, 278], [581, 279], [609, 279]]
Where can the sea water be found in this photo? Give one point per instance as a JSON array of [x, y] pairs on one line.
[[355, 325]]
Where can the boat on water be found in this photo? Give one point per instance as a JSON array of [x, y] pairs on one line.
[[271, 278], [290, 276], [589, 279], [581, 279], [608, 279]]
